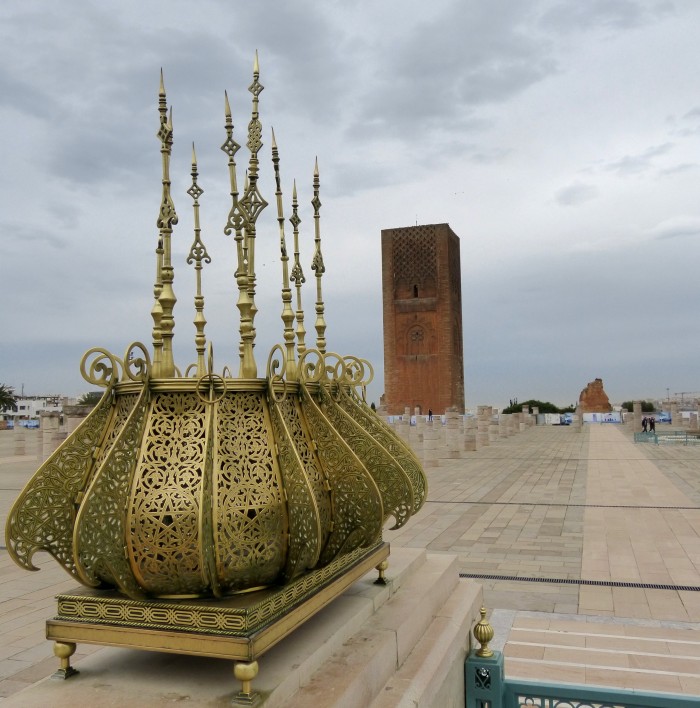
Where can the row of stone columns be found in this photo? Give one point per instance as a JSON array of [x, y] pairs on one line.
[[432, 441], [44, 441]]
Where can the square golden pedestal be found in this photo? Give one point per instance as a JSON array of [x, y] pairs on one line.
[[240, 627]]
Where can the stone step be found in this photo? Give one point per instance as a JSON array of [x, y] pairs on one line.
[[615, 654], [390, 653], [433, 673]]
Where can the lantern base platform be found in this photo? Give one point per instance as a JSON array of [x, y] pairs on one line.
[[240, 627]]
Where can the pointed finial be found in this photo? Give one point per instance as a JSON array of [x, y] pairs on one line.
[[256, 64], [227, 105], [194, 155], [274, 142], [316, 168], [161, 89], [294, 190]]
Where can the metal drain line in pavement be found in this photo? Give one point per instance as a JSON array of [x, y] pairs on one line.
[[592, 506], [581, 581]]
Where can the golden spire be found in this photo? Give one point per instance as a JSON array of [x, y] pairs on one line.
[[198, 255], [297, 276], [318, 267], [252, 203], [236, 221], [287, 312], [162, 312]]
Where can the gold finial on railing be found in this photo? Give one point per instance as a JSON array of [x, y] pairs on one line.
[[198, 255], [297, 276], [483, 633], [252, 203], [162, 313], [318, 267], [287, 312]]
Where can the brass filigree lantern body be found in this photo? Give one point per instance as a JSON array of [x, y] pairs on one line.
[[208, 484]]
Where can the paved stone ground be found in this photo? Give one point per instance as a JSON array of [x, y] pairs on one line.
[[550, 503], [556, 503]]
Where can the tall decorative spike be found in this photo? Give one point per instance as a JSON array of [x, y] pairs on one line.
[[162, 313], [297, 276], [287, 312], [198, 255], [236, 222], [318, 267], [252, 203]]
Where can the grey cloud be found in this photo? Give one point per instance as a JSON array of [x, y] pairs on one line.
[[634, 164], [676, 228], [690, 123], [677, 169], [576, 193], [434, 76], [606, 14], [16, 236]]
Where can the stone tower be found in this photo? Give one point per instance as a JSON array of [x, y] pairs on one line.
[[422, 299]]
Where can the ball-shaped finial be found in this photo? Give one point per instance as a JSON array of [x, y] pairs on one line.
[[483, 633]]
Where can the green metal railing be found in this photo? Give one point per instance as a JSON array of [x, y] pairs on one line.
[[672, 437], [487, 687]]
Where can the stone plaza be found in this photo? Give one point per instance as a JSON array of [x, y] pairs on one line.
[[586, 547]]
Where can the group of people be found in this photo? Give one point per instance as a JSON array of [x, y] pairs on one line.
[[649, 423]]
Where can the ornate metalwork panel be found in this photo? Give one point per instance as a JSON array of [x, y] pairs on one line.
[[250, 526], [100, 528], [42, 518], [304, 525], [391, 442], [393, 484], [291, 412], [206, 505], [357, 504], [124, 404], [165, 502]]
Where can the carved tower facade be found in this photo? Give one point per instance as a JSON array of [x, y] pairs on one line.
[[422, 301]]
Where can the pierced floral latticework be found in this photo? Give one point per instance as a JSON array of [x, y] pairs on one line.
[[100, 528], [304, 522], [392, 482], [390, 441], [251, 517], [358, 511], [164, 542], [318, 481], [42, 518]]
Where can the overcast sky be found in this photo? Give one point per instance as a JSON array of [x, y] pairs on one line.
[[560, 139]]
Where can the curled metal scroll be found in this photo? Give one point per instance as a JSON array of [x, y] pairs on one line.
[[312, 371], [360, 373], [103, 370], [275, 373], [137, 368], [214, 381]]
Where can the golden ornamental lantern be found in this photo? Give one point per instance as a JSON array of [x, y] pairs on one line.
[[205, 484]]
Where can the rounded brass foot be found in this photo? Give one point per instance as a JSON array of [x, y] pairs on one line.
[[64, 651], [381, 568], [245, 673]]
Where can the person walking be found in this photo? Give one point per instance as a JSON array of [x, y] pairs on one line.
[[652, 425], [644, 424]]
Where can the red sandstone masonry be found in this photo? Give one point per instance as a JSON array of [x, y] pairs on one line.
[[422, 307]]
